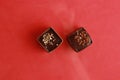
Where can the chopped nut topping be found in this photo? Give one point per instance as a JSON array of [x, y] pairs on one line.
[[82, 38], [48, 39]]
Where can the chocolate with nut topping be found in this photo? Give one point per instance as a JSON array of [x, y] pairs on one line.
[[49, 40], [79, 39]]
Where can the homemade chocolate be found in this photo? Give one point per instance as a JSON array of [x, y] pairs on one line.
[[49, 40], [79, 39]]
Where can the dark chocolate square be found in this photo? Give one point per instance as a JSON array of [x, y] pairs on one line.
[[79, 39], [49, 40]]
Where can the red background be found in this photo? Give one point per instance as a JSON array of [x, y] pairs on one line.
[[22, 58]]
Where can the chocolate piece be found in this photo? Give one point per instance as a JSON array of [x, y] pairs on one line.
[[79, 39], [49, 40]]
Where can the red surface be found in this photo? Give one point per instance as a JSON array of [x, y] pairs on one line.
[[21, 57]]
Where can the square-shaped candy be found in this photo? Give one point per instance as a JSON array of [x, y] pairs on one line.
[[79, 39], [49, 40]]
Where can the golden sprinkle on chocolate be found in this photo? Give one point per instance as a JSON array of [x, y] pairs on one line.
[[81, 38], [48, 39]]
